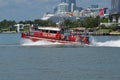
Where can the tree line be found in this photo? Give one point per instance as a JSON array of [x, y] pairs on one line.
[[9, 24], [88, 22]]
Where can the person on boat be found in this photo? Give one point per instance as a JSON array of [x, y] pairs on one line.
[[62, 31], [64, 34]]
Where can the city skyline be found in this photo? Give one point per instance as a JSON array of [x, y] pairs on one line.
[[34, 9]]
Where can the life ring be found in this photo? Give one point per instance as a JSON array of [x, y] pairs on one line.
[[62, 36]]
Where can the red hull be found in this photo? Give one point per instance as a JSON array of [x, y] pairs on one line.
[[50, 40]]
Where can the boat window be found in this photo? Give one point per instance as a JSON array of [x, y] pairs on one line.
[[49, 31], [46, 31], [54, 32], [43, 30]]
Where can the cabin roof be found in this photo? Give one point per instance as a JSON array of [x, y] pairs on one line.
[[49, 28]]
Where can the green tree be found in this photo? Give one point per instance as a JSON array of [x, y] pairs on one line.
[[5, 24], [28, 22], [91, 22], [67, 22], [104, 20]]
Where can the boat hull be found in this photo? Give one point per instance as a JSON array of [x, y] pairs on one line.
[[34, 39]]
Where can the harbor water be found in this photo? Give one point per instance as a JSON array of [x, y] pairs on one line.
[[22, 59]]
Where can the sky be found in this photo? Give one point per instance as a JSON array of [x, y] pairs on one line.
[[34, 9]]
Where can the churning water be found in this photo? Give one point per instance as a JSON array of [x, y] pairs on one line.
[[93, 42], [26, 42], [96, 41], [109, 43]]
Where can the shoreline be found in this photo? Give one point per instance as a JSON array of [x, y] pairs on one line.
[[91, 34], [8, 32], [105, 34], [87, 35]]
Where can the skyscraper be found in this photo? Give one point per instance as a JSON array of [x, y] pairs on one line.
[[115, 10], [63, 7], [71, 3], [115, 5]]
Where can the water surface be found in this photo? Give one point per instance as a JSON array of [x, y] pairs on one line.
[[36, 62]]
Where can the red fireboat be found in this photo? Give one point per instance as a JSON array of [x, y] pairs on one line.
[[53, 34]]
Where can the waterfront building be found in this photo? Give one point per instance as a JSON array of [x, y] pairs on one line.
[[63, 7], [92, 11], [76, 13], [115, 11], [67, 9], [19, 27]]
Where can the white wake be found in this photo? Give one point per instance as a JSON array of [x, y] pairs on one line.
[[27, 42], [110, 43], [93, 42]]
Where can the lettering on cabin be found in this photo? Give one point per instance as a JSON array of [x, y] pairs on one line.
[[49, 35]]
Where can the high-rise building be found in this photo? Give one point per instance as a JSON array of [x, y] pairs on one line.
[[71, 3], [115, 10], [63, 7], [115, 6]]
